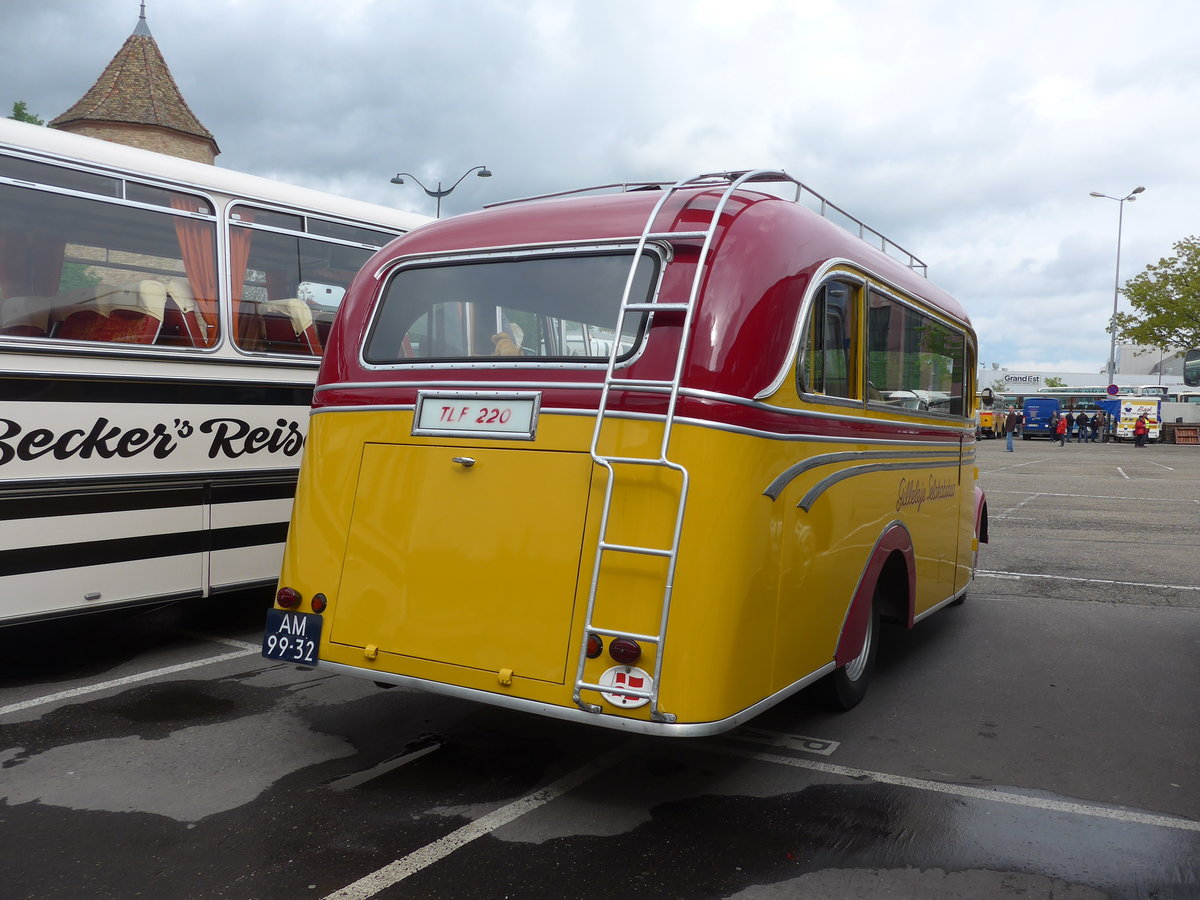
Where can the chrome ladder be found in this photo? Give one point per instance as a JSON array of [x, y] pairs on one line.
[[669, 387]]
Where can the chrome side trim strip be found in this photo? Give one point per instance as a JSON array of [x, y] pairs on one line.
[[945, 445], [684, 392], [572, 714], [775, 488], [825, 484]]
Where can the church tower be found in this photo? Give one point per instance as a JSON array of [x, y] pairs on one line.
[[135, 101]]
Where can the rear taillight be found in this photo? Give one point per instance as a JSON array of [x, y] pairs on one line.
[[319, 602], [288, 598], [595, 646], [625, 651]]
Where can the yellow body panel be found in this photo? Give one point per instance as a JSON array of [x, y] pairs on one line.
[[473, 566], [478, 576]]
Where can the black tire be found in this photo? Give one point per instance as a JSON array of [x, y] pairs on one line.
[[844, 688]]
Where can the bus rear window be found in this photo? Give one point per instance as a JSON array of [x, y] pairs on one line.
[[551, 307]]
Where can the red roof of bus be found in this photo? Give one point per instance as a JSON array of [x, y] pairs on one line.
[[766, 252]]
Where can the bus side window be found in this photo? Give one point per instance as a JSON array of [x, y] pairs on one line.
[[914, 360], [827, 357], [287, 286], [97, 269]]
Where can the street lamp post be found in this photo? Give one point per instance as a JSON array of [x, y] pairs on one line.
[[439, 192], [1112, 325]]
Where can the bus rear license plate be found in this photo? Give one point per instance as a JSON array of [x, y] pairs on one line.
[[292, 637], [488, 414]]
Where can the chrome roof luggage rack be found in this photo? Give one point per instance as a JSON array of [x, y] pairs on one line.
[[804, 196]]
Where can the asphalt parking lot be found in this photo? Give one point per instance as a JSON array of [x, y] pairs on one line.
[[1037, 741]]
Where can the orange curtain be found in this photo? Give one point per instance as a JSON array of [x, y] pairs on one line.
[[239, 256], [200, 263]]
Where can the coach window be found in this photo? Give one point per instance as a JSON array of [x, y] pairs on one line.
[[827, 356], [915, 361], [288, 282], [101, 270]]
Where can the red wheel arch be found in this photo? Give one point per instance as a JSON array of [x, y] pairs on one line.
[[895, 539], [981, 516]]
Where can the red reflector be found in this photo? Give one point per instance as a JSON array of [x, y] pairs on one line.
[[595, 646], [288, 598], [625, 651], [319, 602]]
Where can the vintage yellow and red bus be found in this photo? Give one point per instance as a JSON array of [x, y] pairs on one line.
[[642, 459]]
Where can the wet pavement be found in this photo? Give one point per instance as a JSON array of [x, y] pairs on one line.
[[1038, 741]]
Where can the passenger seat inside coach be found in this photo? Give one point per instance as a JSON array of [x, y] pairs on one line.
[[140, 311]]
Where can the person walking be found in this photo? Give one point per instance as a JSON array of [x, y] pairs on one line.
[[1061, 427], [1140, 430], [1010, 426]]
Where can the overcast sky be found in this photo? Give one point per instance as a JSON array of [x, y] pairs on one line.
[[971, 133]]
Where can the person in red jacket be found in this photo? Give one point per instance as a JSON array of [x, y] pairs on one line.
[[1140, 430], [1061, 427]]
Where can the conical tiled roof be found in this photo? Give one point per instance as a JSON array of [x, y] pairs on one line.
[[136, 88]]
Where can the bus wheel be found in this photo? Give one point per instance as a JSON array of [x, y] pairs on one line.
[[844, 688]]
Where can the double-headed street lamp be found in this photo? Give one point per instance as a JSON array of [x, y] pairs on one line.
[[438, 192], [1112, 347]]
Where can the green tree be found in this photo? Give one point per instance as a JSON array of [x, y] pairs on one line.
[[1055, 381], [22, 114], [1166, 301]]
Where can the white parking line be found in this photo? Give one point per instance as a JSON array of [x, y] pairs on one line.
[[395, 872], [1029, 499], [1014, 466], [962, 790], [128, 679], [992, 492], [984, 573], [217, 639]]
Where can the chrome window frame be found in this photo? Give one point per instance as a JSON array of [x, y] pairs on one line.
[[386, 273]]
